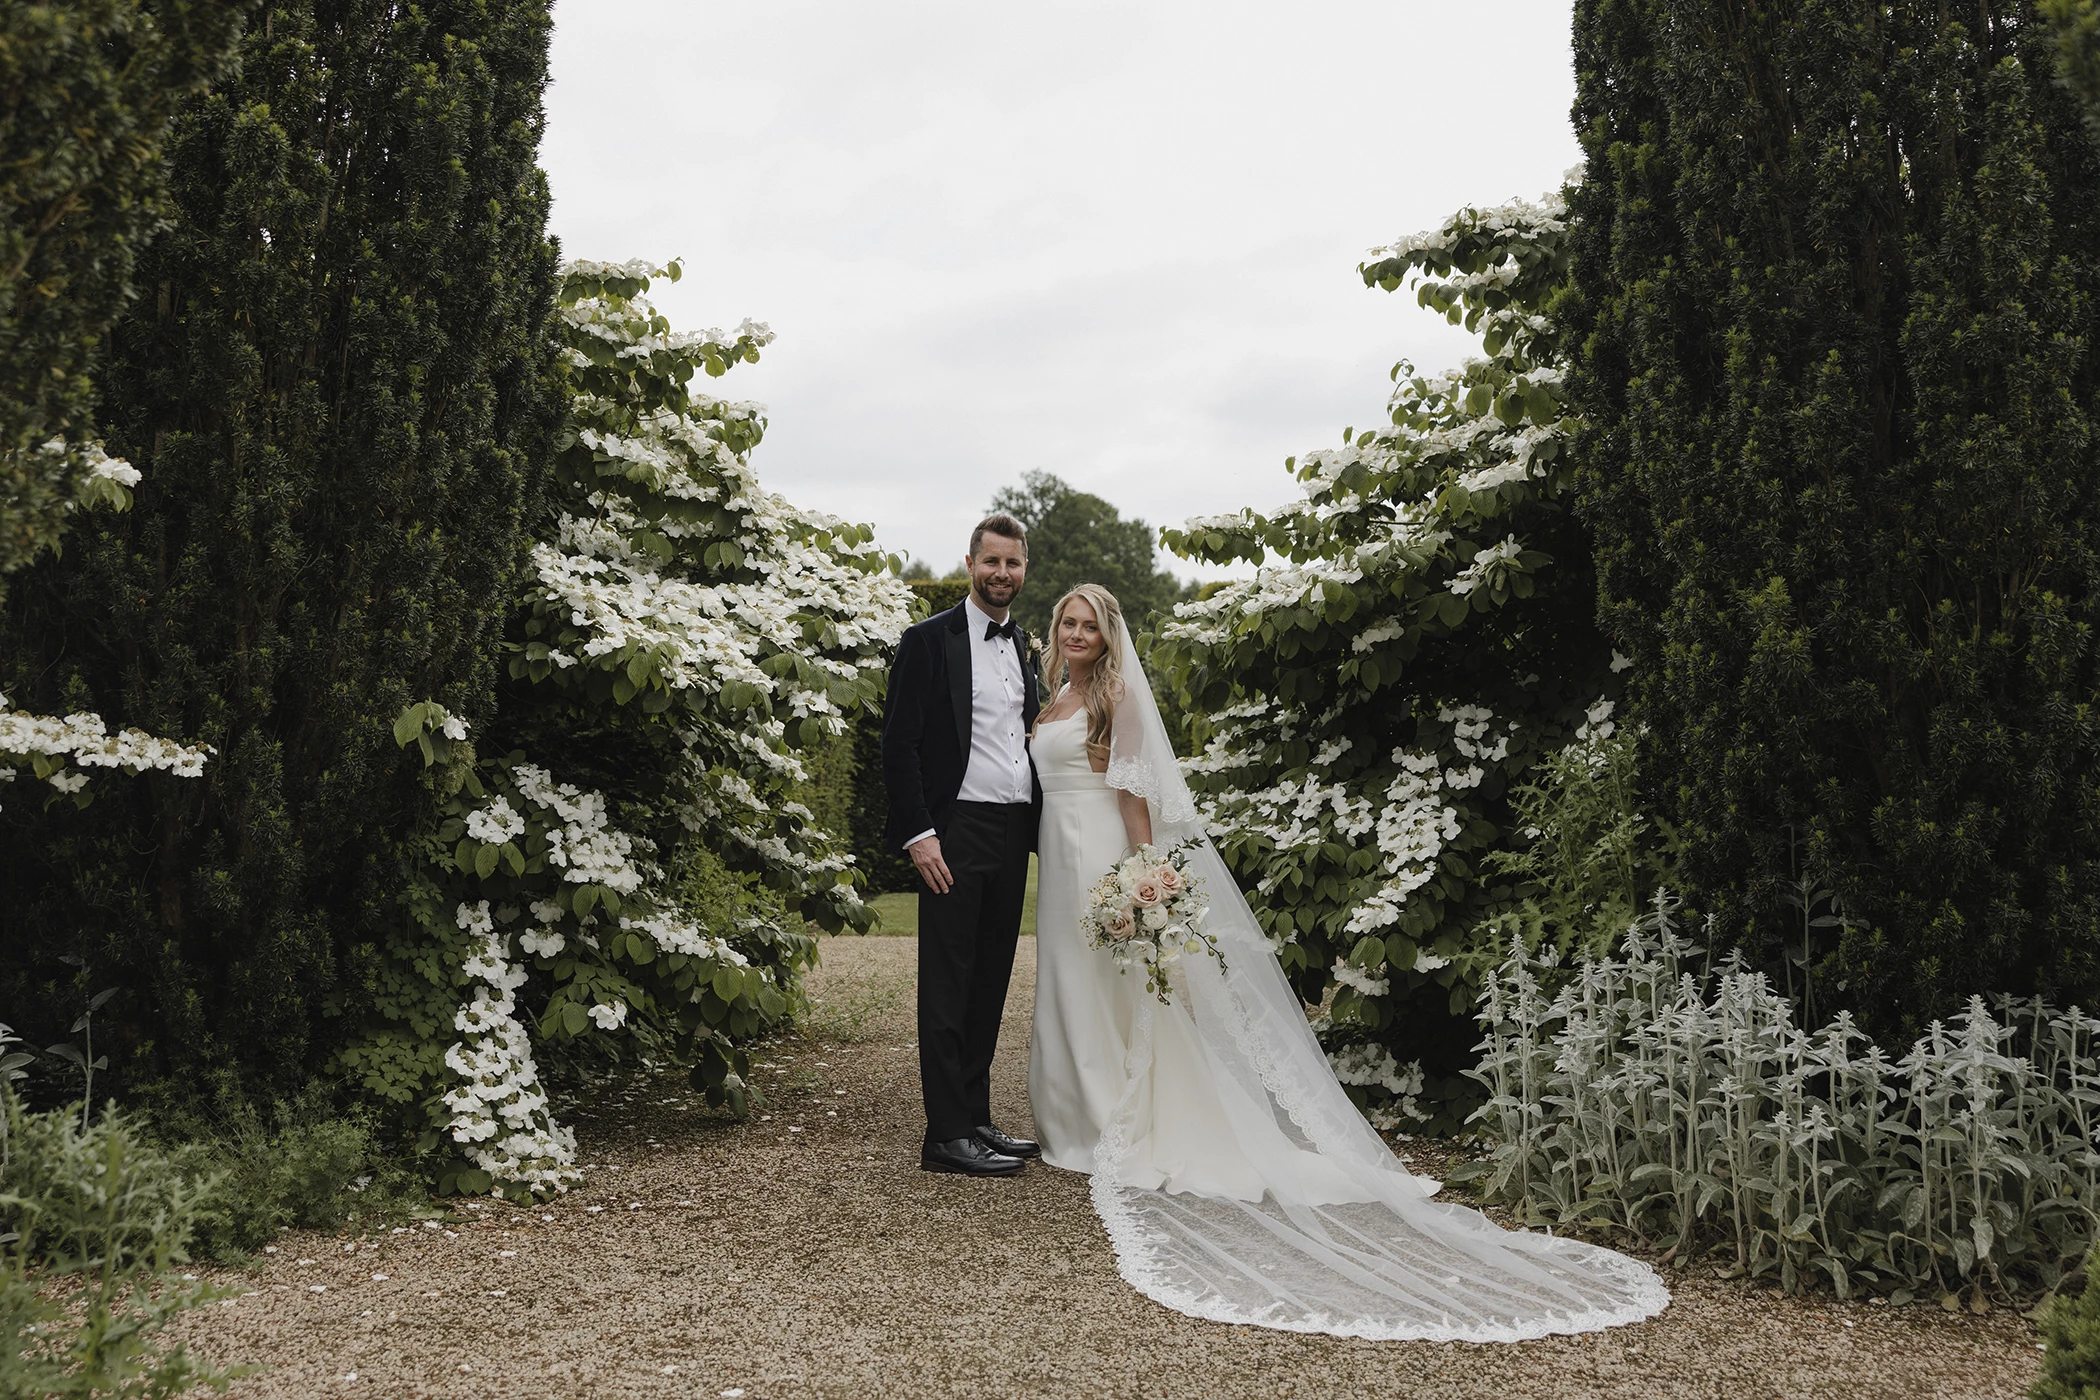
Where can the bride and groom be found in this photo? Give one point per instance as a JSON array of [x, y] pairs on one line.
[[1235, 1178]]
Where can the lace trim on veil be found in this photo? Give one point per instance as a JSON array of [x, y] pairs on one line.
[[1162, 1250], [1138, 775]]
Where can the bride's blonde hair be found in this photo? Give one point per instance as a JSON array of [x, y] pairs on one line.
[[1104, 688]]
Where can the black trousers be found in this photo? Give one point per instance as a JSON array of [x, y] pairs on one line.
[[966, 958]]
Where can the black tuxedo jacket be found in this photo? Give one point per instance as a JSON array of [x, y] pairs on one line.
[[926, 721]]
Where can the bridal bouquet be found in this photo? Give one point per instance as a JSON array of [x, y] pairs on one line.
[[1149, 911]]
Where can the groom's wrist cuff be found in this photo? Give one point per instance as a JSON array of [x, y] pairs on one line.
[[920, 837]]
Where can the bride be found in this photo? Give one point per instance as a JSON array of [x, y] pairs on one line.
[[1235, 1178]]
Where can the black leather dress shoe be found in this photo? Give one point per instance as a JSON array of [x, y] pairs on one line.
[[1007, 1146], [967, 1157]]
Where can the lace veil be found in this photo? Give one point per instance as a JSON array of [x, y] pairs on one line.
[[1390, 1263]]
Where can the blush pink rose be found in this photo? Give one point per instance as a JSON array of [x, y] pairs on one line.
[[1169, 880], [1146, 892], [1121, 924]]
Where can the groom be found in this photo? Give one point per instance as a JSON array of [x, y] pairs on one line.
[[964, 804]]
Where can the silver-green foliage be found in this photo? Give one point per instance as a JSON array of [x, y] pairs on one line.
[[1674, 1097]]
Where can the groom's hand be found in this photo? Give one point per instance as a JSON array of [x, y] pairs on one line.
[[926, 854]]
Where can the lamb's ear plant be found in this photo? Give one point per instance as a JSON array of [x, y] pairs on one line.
[[1673, 1099]]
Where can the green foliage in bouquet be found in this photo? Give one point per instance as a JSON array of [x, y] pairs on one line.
[[340, 387], [1835, 320], [87, 91], [680, 643], [1367, 705]]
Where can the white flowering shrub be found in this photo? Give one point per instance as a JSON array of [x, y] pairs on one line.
[[1419, 635], [681, 636]]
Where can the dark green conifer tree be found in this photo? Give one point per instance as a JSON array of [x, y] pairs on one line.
[[1836, 267], [86, 93], [338, 383]]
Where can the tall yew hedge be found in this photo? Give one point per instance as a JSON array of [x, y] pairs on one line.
[[1835, 270], [338, 383], [87, 90]]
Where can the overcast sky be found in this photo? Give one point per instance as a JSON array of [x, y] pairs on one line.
[[1113, 241]]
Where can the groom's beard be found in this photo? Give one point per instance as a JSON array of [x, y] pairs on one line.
[[998, 595]]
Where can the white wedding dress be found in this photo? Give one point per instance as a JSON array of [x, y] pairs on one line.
[[1236, 1180]]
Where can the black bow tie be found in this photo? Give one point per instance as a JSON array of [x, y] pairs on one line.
[[999, 629]]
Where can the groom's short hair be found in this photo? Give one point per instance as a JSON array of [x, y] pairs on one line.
[[999, 523]]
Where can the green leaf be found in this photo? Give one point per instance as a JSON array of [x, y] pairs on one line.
[[485, 859]]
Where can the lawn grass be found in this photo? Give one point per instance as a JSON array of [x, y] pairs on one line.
[[897, 915]]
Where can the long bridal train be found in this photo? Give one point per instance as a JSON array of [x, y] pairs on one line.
[[1234, 1176]]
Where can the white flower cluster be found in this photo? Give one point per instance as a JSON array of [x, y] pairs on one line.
[[1373, 1067], [48, 744], [675, 934], [499, 1110], [1486, 563], [1350, 975], [496, 823], [101, 464], [585, 844], [1522, 217], [621, 603]]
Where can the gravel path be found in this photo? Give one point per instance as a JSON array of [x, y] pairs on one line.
[[803, 1254]]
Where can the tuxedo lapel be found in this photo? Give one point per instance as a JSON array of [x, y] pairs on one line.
[[1029, 699], [958, 647]]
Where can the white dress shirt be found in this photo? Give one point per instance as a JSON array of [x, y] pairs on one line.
[[996, 769]]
